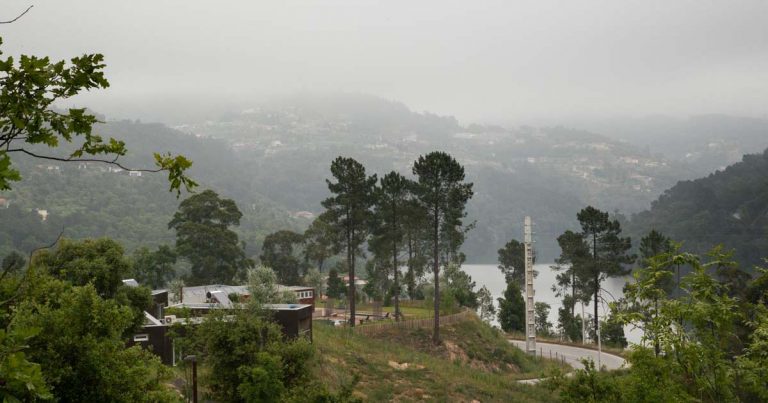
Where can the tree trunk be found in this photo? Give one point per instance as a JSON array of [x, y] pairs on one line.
[[573, 292], [411, 274], [397, 283], [656, 346], [395, 269], [351, 266], [436, 270]]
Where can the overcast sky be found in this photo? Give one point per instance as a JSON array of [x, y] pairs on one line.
[[511, 61]]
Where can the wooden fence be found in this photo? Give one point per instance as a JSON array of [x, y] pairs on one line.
[[374, 328]]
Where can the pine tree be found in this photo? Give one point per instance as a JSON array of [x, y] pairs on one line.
[[608, 252], [443, 195], [512, 309], [348, 211], [387, 241]]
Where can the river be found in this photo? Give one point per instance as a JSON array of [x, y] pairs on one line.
[[491, 277]]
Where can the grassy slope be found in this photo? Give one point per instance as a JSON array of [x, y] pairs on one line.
[[473, 362]]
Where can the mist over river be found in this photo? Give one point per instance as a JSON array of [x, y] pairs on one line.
[[491, 277]]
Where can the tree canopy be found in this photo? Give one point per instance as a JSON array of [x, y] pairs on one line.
[[390, 214], [442, 193], [203, 237], [608, 252], [278, 253], [348, 210], [28, 119]]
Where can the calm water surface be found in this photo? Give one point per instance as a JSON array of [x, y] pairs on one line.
[[491, 277]]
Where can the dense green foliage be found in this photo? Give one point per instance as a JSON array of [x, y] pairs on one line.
[[486, 309], [248, 360], [608, 252], [543, 325], [587, 258], [81, 347], [705, 345], [65, 321], [727, 207], [319, 241], [154, 269], [570, 286], [203, 237], [512, 262], [277, 252], [263, 286], [391, 211], [442, 194], [512, 309], [100, 262], [336, 287], [28, 90], [349, 212], [88, 200], [460, 286]]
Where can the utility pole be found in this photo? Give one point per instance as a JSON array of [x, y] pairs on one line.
[[530, 324]]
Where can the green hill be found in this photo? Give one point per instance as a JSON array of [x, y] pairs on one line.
[[728, 207], [474, 362], [91, 200]]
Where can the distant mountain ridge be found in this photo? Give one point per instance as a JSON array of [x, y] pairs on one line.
[[549, 173], [274, 158]]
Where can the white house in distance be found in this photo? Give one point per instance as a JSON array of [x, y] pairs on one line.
[[43, 214]]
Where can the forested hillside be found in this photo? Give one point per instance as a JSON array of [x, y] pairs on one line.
[[91, 200], [728, 207], [273, 160], [549, 173]]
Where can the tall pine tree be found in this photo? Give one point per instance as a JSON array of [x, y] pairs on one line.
[[608, 252], [348, 211], [443, 194], [391, 205]]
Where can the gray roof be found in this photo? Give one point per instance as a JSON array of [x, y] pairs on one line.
[[198, 294], [275, 307]]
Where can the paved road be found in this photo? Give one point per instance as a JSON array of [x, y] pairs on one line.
[[574, 354]]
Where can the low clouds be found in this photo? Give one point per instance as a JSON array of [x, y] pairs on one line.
[[488, 60]]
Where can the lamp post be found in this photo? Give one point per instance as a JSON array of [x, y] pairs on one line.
[[599, 339]]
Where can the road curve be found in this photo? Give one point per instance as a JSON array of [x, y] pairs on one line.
[[573, 355]]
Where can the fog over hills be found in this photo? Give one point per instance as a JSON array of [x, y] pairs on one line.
[[499, 61], [547, 172], [273, 158], [305, 200]]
